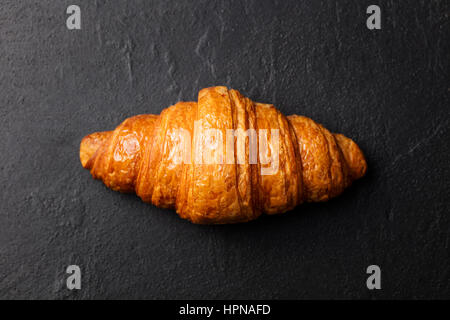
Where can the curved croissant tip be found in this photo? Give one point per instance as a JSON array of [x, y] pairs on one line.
[[89, 146], [358, 163], [353, 155]]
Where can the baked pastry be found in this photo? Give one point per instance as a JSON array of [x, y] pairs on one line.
[[199, 159]]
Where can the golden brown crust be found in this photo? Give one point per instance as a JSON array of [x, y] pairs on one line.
[[353, 155], [142, 155], [89, 146]]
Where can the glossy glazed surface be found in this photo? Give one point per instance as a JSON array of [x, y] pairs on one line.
[[140, 156]]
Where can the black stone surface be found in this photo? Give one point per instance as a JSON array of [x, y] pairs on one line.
[[387, 89]]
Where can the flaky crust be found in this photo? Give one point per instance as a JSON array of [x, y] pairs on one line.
[[138, 156]]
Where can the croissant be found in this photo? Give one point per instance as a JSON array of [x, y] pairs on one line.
[[199, 159]]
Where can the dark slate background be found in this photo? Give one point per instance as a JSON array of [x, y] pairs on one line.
[[386, 89]]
